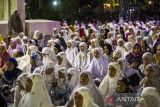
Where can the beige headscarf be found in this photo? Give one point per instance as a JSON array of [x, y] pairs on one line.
[[108, 84], [149, 98]]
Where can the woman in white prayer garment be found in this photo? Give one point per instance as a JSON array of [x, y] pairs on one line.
[[83, 57], [98, 65], [85, 80], [128, 48], [133, 75], [83, 98], [24, 61], [48, 55], [51, 44], [73, 77], [94, 44], [19, 90], [120, 47], [47, 71], [35, 61], [108, 84], [71, 51], [149, 98], [61, 62], [61, 90], [36, 93]]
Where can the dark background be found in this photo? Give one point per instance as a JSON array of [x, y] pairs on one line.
[[72, 10]]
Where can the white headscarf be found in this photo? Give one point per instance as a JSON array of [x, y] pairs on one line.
[[83, 58], [149, 41], [99, 66], [25, 38], [108, 85], [127, 70], [49, 78], [22, 78], [108, 41], [33, 49], [87, 97], [65, 35], [71, 52], [52, 42], [138, 39], [83, 44], [149, 57], [65, 63], [75, 77], [97, 97], [132, 39], [57, 41], [24, 61], [63, 56], [50, 56], [128, 46], [64, 71], [18, 92], [35, 35], [125, 65], [149, 98], [121, 48], [63, 84], [93, 28], [117, 53], [96, 43], [38, 97]]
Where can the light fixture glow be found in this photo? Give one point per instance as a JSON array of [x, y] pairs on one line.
[[55, 3]]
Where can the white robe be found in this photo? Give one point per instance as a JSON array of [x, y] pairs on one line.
[[99, 67], [71, 54], [75, 77], [38, 96], [87, 97], [122, 50], [108, 85], [82, 60]]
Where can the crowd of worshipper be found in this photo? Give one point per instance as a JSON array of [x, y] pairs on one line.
[[82, 65]]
